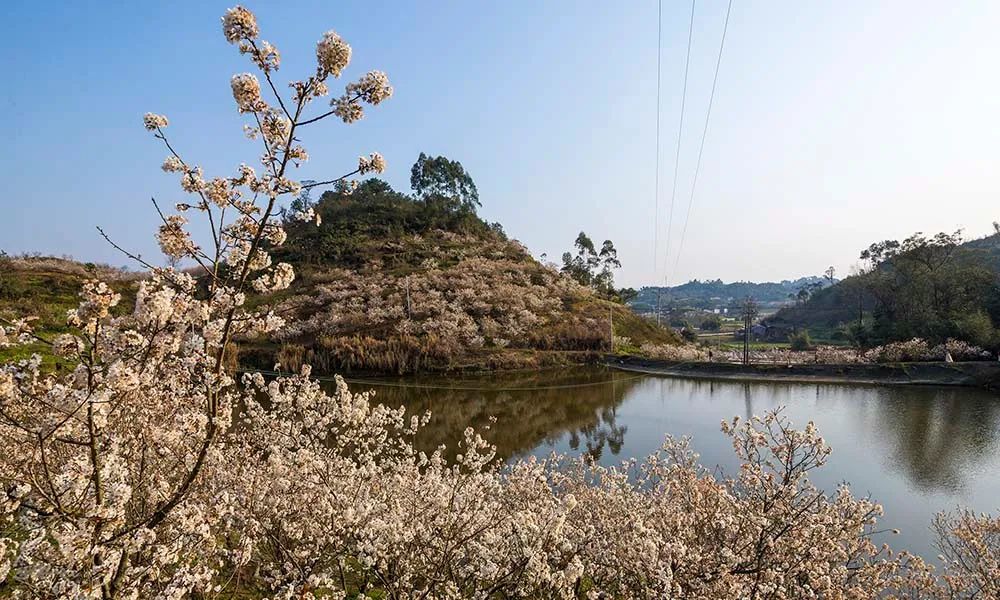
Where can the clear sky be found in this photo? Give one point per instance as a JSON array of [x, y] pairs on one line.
[[835, 123]]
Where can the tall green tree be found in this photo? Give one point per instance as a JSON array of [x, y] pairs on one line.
[[604, 281], [441, 180], [594, 268]]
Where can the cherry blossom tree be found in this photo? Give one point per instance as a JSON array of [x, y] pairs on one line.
[[107, 468]]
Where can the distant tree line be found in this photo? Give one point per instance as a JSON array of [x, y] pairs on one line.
[[929, 287], [710, 294]]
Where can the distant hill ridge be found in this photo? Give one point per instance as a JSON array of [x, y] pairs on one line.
[[717, 294]]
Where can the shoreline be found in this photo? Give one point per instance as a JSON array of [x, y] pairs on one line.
[[983, 374]]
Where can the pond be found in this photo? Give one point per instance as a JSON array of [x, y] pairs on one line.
[[916, 450]]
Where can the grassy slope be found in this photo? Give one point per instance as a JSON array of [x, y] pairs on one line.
[[576, 333], [46, 288]]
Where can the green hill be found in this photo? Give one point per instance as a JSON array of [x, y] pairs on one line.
[[396, 283], [929, 287], [46, 287]]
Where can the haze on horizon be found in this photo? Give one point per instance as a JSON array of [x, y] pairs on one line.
[[834, 125]]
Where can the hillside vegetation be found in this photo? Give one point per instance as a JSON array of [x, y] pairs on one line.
[[46, 288], [396, 283], [386, 282], [934, 288]]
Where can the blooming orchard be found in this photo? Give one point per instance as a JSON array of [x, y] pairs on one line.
[[489, 294], [135, 476]]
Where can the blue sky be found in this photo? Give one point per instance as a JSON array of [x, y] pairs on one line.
[[835, 123]]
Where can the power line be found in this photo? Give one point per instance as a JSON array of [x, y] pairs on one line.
[[680, 130], [656, 191], [704, 134]]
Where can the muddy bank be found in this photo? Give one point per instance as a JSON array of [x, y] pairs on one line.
[[968, 374]]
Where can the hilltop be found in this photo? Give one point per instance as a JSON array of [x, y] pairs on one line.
[[390, 282]]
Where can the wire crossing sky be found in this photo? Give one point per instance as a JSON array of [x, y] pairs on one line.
[[833, 124], [656, 178], [704, 135], [680, 133]]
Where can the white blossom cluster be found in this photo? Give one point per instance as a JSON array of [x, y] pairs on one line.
[[915, 350], [153, 121], [246, 92], [674, 352], [239, 24], [918, 350], [332, 53], [374, 163], [372, 89], [174, 240]]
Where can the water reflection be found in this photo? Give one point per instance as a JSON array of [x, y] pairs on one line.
[[916, 450], [935, 436], [531, 409]]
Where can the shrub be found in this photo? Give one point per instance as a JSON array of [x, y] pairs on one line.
[[712, 323], [959, 350], [687, 353], [800, 341], [909, 351], [917, 350], [977, 328]]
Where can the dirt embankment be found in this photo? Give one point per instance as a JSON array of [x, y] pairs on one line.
[[969, 374]]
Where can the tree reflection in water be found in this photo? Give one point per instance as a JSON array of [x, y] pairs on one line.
[[541, 408], [937, 436]]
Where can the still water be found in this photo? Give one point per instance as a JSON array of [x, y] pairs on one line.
[[917, 450]]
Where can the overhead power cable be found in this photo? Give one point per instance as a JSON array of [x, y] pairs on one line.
[[656, 190], [680, 130], [704, 134]]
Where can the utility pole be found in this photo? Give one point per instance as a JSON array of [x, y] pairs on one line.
[[659, 292], [746, 338], [611, 327], [749, 312]]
